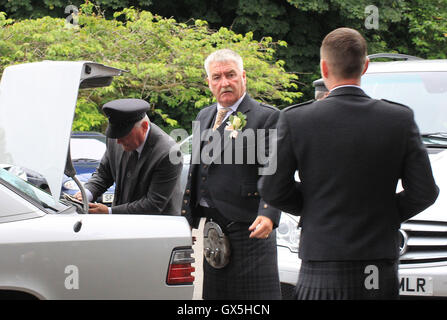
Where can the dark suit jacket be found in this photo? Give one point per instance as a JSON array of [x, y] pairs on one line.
[[153, 188], [232, 187], [350, 151]]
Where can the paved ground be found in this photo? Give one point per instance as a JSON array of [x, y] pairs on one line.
[[198, 255]]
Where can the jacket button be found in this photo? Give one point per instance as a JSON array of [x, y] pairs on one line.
[[185, 201], [249, 194], [183, 211], [187, 191], [265, 206], [256, 194]]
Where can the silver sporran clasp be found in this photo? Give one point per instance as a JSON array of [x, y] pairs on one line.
[[216, 246]]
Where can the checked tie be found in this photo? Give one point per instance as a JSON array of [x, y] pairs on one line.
[[221, 113]]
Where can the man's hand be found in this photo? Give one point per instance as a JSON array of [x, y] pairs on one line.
[[261, 228], [78, 195], [97, 208]]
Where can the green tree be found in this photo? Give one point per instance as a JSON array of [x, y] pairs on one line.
[[164, 60], [416, 27], [29, 9]]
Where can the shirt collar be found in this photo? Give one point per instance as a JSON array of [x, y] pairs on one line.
[[140, 148], [234, 106], [346, 85]]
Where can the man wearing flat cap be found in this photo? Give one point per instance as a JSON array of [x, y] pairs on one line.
[[137, 160]]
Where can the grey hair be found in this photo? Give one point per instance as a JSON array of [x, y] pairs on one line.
[[140, 122], [223, 55]]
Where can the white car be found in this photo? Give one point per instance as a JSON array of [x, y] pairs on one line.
[[421, 85], [49, 249]]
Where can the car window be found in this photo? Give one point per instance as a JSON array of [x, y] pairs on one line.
[[82, 148], [424, 92], [35, 194]]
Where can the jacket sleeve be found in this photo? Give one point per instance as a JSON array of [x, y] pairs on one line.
[[279, 188], [102, 178], [420, 190], [162, 187], [265, 209]]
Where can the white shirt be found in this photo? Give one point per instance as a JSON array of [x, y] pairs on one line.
[[346, 85], [233, 107]]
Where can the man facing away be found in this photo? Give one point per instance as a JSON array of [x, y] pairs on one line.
[[243, 264], [137, 160], [350, 151]]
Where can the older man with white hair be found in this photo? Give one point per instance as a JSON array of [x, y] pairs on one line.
[[137, 159], [240, 243]]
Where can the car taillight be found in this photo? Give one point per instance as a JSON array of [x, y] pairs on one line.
[[180, 268]]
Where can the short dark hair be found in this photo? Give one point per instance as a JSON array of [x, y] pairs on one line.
[[345, 51]]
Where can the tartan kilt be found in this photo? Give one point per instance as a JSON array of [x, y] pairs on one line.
[[251, 274], [345, 280]]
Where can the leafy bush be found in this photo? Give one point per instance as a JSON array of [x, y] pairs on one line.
[[164, 60]]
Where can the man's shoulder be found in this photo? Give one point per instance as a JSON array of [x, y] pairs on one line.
[[267, 107], [297, 106], [160, 137], [395, 103], [207, 109]]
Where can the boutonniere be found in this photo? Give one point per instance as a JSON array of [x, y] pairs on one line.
[[236, 123]]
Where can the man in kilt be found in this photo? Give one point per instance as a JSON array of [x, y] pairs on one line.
[[350, 151], [223, 188]]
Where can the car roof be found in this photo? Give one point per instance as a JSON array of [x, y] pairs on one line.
[[439, 65]]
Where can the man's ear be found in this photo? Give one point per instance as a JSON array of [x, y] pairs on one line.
[[208, 82], [366, 66], [145, 125], [324, 68]]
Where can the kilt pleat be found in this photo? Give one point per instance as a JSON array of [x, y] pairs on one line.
[[345, 280]]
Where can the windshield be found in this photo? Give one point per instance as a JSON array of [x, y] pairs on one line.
[[35, 194], [424, 92]]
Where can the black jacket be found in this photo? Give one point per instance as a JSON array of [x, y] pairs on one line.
[[350, 151], [154, 186], [232, 187]]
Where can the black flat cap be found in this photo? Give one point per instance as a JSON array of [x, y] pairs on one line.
[[123, 114]]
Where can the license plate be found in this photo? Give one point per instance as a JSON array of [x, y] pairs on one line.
[[416, 286], [107, 198]]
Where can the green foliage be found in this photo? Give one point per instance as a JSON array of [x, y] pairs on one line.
[[164, 60], [29, 9], [416, 27]]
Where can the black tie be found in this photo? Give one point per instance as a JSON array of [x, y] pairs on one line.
[[127, 181]]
